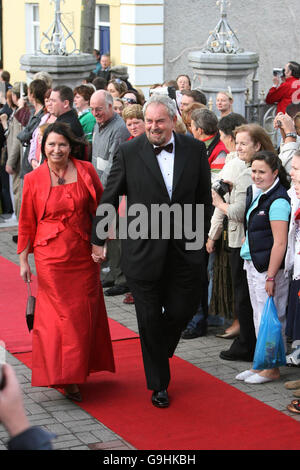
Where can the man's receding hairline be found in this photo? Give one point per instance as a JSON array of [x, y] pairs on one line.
[[103, 97], [158, 104]]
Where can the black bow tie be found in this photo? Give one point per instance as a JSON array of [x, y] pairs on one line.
[[167, 148]]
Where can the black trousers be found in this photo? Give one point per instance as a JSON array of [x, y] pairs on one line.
[[245, 343], [164, 308], [6, 202], [113, 262]]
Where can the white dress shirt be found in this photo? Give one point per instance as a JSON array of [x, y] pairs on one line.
[[166, 164]]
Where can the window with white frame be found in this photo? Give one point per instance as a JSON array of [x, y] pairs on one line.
[[32, 15], [102, 25]]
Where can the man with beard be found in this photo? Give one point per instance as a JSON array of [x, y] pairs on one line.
[[165, 274]]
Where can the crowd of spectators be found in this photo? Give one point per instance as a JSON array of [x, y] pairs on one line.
[[261, 188]]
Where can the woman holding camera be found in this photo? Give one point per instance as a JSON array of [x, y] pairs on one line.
[[246, 139]]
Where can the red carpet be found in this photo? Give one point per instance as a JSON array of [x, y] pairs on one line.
[[205, 413], [13, 328]]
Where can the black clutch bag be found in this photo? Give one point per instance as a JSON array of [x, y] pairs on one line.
[[30, 308]]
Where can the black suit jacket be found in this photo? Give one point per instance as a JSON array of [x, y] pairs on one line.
[[71, 118], [135, 173]]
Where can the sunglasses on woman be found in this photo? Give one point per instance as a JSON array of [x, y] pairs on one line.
[[130, 100]]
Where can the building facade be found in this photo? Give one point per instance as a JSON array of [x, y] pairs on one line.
[[24, 22], [268, 27], [153, 38]]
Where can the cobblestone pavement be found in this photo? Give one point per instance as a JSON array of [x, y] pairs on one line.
[[77, 430]]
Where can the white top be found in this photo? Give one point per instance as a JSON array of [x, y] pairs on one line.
[[166, 164], [296, 270], [292, 258]]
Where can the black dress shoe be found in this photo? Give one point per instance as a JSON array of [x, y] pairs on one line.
[[15, 238], [107, 284], [190, 333], [116, 290], [75, 396], [160, 399], [230, 356]]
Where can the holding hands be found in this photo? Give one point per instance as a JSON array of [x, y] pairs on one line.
[[210, 246], [99, 253]]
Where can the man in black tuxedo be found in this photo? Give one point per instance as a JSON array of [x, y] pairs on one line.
[[165, 273]]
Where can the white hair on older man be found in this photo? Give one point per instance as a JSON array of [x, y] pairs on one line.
[[165, 101]]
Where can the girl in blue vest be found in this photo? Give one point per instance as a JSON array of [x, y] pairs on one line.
[[266, 225]]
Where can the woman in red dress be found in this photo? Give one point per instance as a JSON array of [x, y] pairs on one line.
[[71, 336]]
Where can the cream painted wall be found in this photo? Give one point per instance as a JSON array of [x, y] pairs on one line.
[[115, 30], [13, 37], [14, 31]]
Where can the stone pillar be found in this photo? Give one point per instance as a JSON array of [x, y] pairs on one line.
[[67, 70], [142, 41], [218, 71]]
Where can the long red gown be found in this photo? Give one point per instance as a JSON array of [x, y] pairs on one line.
[[71, 336]]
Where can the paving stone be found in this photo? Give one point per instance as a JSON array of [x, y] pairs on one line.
[[58, 405], [58, 429], [22, 378], [62, 416], [34, 409], [86, 437], [104, 435], [62, 437], [78, 414], [27, 387], [39, 397], [13, 361], [67, 445], [53, 394], [78, 426], [28, 401], [111, 445], [81, 447]]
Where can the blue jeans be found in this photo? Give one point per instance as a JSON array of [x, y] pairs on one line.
[[199, 320]]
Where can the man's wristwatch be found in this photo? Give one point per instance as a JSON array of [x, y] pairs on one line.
[[291, 134]]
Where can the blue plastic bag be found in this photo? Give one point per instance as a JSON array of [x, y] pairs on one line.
[[269, 351]]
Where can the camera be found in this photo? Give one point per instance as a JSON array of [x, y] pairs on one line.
[[278, 72], [221, 188]]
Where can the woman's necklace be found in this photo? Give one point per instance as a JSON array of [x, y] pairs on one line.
[[60, 179]]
